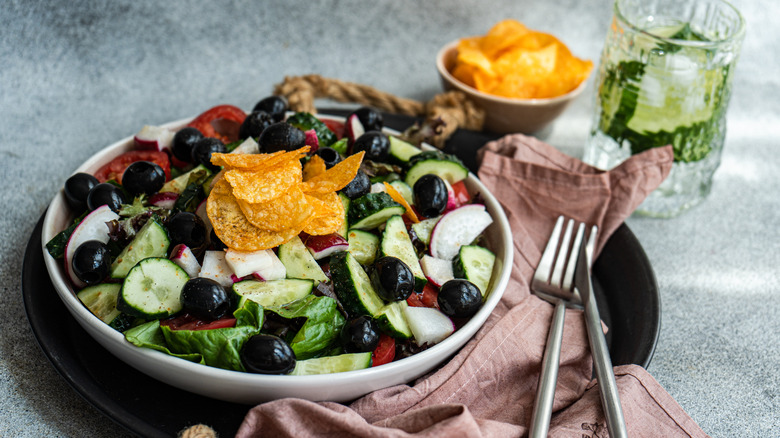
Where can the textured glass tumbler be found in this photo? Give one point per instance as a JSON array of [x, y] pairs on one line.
[[665, 78]]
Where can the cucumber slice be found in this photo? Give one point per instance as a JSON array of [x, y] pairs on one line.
[[404, 189], [299, 262], [332, 364], [392, 320], [353, 287], [451, 171], [274, 292], [345, 223], [151, 241], [152, 289], [475, 264], [373, 209], [177, 185], [424, 228], [401, 151], [363, 245], [397, 243], [100, 299]]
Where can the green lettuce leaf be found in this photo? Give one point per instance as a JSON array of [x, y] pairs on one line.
[[322, 327]]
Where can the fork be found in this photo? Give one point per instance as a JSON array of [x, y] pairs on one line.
[[552, 284]]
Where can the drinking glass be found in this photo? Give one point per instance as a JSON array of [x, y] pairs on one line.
[[665, 78]]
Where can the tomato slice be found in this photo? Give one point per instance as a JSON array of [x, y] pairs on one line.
[[116, 167], [222, 122], [460, 192], [335, 126], [427, 298], [384, 351], [187, 321]]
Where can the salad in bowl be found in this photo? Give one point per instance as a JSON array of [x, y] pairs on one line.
[[254, 256]]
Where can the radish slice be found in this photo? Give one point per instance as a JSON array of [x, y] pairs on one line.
[[182, 255], [353, 129], [249, 146], [312, 140], [437, 271], [93, 227], [164, 200], [216, 268], [452, 201], [202, 213], [154, 138], [264, 263], [457, 228], [323, 246], [428, 325]]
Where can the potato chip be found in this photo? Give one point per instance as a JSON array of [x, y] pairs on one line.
[[242, 161], [336, 177], [255, 186], [513, 61], [328, 216], [232, 227], [399, 198], [315, 166], [289, 210]]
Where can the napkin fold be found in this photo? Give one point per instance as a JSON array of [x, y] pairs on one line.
[[488, 388]]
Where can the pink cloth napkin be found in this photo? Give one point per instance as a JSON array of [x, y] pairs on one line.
[[488, 388]]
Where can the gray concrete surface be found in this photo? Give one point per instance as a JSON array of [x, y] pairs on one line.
[[76, 76]]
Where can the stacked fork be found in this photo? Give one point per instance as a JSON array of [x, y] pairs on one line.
[[553, 284]]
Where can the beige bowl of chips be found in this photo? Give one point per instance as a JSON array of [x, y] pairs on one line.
[[522, 79]]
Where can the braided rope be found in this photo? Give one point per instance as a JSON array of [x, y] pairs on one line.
[[453, 107]]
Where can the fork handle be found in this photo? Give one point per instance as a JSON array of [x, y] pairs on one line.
[[610, 400], [548, 378]]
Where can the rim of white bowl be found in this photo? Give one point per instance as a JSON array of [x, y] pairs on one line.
[[439, 352]]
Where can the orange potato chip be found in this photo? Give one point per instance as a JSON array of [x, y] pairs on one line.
[[242, 161], [255, 186], [232, 227], [336, 177], [513, 61], [328, 215], [289, 210], [315, 166], [399, 198]]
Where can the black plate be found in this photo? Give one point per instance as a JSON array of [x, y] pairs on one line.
[[623, 281]]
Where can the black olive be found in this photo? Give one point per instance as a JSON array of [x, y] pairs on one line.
[[360, 335], [392, 279], [459, 298], [430, 195], [143, 177], [267, 354], [77, 188], [215, 243], [187, 228], [276, 106], [202, 150], [184, 141], [330, 156], [91, 261], [105, 194], [370, 118], [376, 145], [205, 298], [254, 124], [359, 186], [281, 136]]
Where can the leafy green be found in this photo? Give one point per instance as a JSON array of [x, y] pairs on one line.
[[56, 246], [306, 121], [217, 347], [340, 146], [321, 329]]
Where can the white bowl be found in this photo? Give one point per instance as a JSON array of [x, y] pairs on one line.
[[241, 387]]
